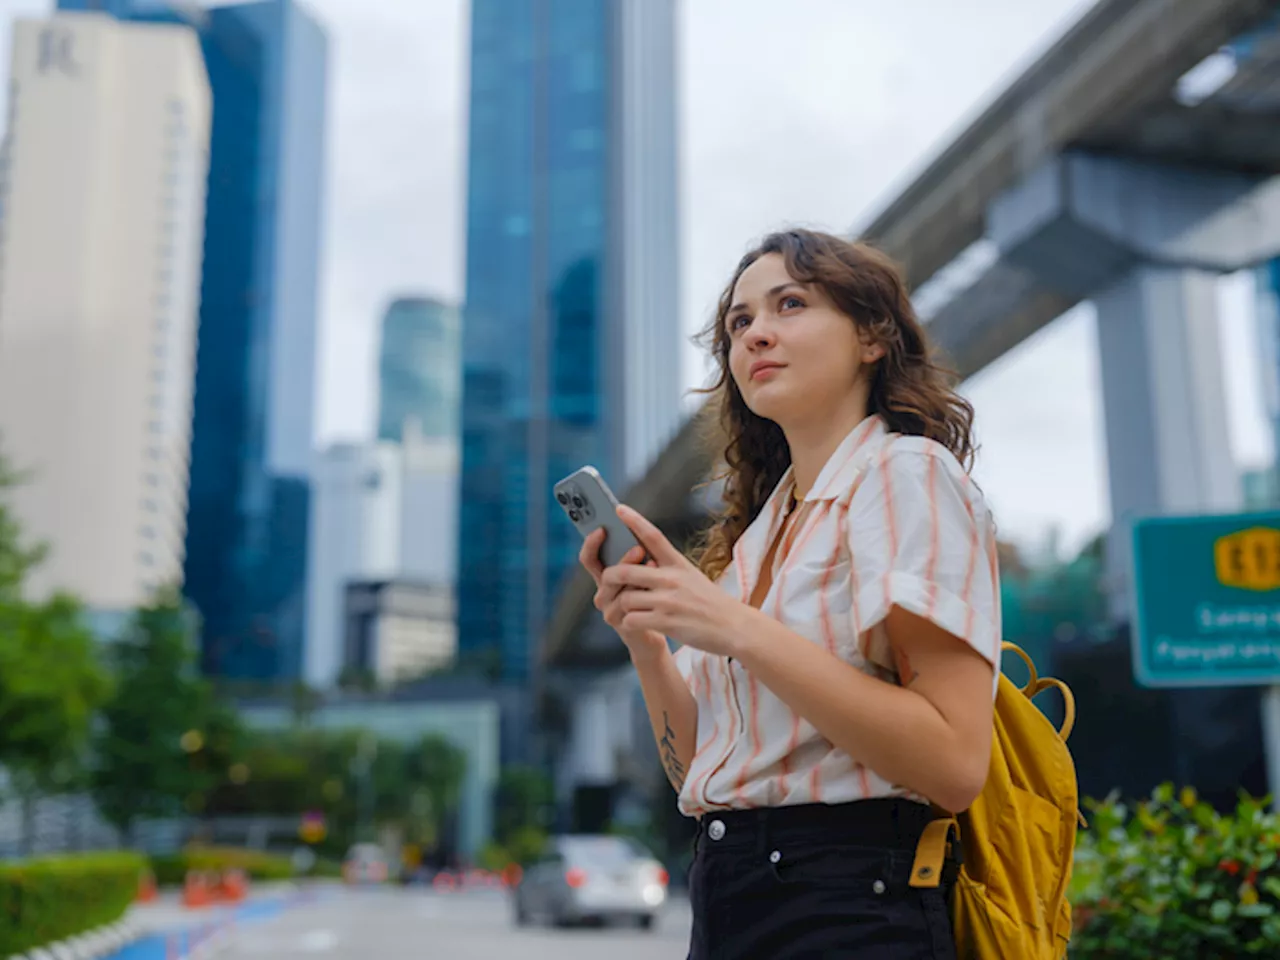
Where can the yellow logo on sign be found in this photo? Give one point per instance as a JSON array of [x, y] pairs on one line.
[[1249, 559]]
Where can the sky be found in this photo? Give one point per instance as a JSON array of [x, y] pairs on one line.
[[812, 112]]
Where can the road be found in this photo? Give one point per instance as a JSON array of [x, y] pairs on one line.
[[409, 924]]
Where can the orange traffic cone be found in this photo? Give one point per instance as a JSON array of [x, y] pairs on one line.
[[195, 890], [147, 892], [235, 886]]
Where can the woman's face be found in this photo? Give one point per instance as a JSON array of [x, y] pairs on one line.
[[792, 354]]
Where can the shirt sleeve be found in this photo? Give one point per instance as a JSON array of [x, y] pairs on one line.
[[920, 536], [686, 664]]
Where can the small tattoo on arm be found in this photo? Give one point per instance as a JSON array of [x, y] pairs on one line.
[[670, 762]]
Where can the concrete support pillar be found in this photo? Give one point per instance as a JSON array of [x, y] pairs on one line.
[[1168, 449]]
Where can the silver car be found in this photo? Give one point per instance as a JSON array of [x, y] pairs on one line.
[[588, 877]]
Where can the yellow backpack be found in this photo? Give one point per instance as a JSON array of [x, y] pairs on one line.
[[1018, 838]]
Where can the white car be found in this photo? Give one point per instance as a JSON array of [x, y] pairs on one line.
[[585, 877]]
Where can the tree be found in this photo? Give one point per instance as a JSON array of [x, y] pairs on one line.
[[525, 798], [51, 678], [435, 769], [164, 742], [51, 685], [16, 558]]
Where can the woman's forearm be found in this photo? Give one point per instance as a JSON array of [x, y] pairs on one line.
[[673, 712], [894, 731]]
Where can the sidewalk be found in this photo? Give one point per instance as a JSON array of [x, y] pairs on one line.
[[171, 931]]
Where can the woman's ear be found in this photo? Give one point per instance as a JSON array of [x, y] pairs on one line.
[[872, 352]]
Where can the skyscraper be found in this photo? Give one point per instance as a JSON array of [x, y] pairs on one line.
[[571, 335], [246, 548], [102, 181], [419, 369]]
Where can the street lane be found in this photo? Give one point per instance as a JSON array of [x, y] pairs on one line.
[[412, 924]]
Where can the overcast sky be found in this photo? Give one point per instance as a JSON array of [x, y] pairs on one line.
[[812, 111]]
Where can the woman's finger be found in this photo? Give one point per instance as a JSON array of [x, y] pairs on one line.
[[651, 538], [589, 555]]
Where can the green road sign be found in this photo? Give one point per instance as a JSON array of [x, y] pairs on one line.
[[1207, 600]]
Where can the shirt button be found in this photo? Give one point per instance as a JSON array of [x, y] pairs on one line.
[[775, 857], [716, 830], [878, 886]]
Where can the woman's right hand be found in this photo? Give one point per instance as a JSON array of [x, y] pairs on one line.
[[639, 642]]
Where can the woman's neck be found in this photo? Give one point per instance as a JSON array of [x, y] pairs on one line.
[[813, 444]]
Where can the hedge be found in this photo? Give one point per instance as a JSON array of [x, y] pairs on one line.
[[172, 870], [50, 899], [1173, 878]]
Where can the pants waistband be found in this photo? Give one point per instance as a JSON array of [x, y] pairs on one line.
[[887, 822]]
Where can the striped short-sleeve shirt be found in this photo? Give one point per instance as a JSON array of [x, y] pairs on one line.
[[892, 519]]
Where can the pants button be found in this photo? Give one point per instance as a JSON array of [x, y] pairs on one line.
[[716, 830], [878, 886], [775, 857]]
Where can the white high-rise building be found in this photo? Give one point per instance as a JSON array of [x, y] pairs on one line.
[[102, 184], [381, 512]]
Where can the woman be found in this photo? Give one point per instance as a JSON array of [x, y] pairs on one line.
[[840, 634]]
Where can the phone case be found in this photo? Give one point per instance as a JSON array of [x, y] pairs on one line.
[[589, 503]]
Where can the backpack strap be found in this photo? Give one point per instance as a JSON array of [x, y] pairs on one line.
[[1068, 700], [931, 852]]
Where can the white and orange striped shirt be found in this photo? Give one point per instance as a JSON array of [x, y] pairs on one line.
[[892, 519]]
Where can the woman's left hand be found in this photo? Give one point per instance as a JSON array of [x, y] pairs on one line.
[[674, 597]]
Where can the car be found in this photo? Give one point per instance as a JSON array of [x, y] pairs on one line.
[[365, 863], [588, 877]]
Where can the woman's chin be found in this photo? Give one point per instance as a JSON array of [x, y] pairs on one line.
[[773, 408]]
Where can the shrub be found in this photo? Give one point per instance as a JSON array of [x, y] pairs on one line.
[[1173, 878], [172, 870], [46, 900]]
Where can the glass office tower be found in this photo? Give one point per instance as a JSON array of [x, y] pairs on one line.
[[571, 334], [419, 369]]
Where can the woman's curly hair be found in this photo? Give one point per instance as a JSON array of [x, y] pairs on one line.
[[910, 391]]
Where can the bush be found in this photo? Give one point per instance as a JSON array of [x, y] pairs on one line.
[[172, 870], [43, 901], [1175, 879]]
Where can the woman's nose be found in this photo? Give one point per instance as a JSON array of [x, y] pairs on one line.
[[761, 333]]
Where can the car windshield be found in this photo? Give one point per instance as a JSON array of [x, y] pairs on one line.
[[602, 851]]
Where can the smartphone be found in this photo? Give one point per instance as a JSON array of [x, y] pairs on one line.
[[589, 503]]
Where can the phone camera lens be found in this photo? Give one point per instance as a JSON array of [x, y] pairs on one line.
[[575, 516], [562, 497], [577, 502]]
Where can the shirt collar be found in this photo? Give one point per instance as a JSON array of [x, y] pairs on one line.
[[841, 468], [835, 479]]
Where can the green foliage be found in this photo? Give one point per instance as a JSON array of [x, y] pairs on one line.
[[51, 679], [1174, 879], [524, 846], [257, 865], [164, 741], [16, 557], [43, 901], [525, 797], [416, 785], [51, 684], [523, 806]]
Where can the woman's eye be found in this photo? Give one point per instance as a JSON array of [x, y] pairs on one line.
[[791, 303], [738, 322]]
